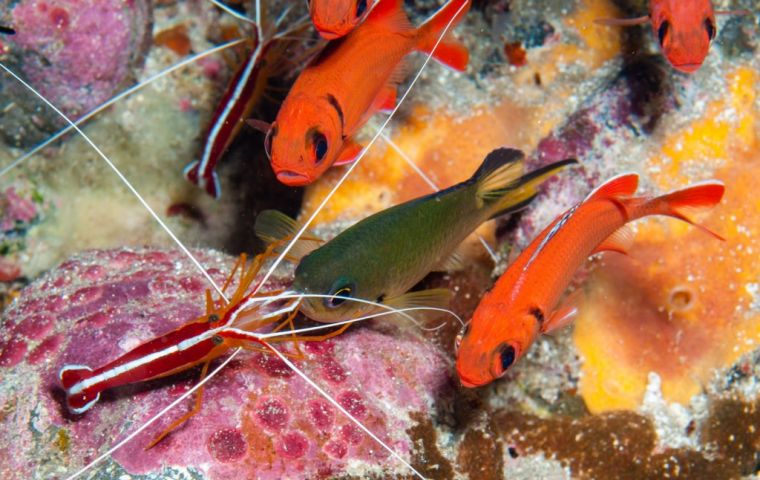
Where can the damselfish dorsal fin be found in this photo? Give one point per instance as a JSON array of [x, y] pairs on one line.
[[501, 168], [620, 241], [501, 185], [623, 185], [274, 226]]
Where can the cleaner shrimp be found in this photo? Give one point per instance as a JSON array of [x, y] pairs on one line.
[[256, 294]]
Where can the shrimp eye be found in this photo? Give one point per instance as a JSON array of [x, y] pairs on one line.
[[663, 31], [339, 294], [710, 27], [361, 6], [507, 356], [320, 146]]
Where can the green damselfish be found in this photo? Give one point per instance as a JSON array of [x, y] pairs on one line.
[[381, 257]]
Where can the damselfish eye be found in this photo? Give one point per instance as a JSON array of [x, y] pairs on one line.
[[361, 7], [339, 295], [663, 31], [710, 27], [320, 146], [507, 356]]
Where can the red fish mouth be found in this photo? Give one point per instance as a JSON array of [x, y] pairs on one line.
[[467, 383], [328, 35], [687, 67], [294, 179]]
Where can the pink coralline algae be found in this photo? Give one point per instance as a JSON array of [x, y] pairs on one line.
[[77, 53], [258, 420]]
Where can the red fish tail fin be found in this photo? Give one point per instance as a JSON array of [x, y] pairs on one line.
[[448, 51], [695, 199], [79, 398]]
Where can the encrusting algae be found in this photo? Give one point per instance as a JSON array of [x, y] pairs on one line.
[[687, 310]]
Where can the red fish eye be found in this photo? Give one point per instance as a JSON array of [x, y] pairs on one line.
[[662, 31], [320, 146], [507, 356], [361, 7], [710, 27]]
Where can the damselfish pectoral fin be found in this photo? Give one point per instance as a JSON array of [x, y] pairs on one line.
[[436, 298], [452, 263], [274, 226], [349, 154]]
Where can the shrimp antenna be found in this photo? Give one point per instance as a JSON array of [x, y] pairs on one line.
[[115, 99], [232, 12]]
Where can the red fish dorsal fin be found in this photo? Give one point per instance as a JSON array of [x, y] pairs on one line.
[[392, 12], [623, 185]]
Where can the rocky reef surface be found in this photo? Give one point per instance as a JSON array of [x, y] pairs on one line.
[[657, 378]]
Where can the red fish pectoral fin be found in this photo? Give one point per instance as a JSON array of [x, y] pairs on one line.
[[449, 52], [620, 241], [385, 100], [693, 200], [350, 152], [565, 314], [259, 125], [622, 22]]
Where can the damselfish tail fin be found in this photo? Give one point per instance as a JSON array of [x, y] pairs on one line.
[[79, 398], [692, 200], [501, 185], [449, 52], [274, 226]]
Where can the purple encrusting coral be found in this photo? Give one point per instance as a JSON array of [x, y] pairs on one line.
[[84, 49], [258, 417]]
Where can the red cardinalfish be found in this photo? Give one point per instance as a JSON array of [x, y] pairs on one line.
[[351, 79], [336, 18], [521, 306], [684, 29]]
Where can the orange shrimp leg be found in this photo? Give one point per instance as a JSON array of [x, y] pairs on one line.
[[196, 408]]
